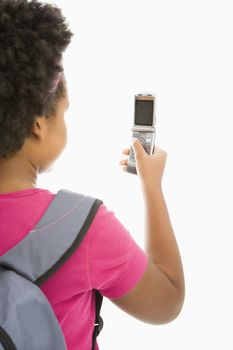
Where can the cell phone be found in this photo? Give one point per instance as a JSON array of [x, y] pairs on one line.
[[143, 127]]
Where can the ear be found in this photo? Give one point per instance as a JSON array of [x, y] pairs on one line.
[[39, 129]]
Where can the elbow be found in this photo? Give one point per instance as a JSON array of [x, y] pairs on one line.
[[167, 317], [178, 305], [172, 312], [175, 313]]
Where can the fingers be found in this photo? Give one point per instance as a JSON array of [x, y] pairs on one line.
[[157, 152], [126, 151], [123, 161]]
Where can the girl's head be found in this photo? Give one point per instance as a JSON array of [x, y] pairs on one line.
[[33, 91]]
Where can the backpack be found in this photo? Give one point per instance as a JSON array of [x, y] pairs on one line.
[[27, 320]]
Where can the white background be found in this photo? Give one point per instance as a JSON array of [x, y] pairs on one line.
[[181, 51]]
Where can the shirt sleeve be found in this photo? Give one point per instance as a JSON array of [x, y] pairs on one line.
[[114, 261]]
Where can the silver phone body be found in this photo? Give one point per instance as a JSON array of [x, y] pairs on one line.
[[144, 126]]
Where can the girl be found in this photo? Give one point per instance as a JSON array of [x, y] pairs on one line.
[[148, 285]]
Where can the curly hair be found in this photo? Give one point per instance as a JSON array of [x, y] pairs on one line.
[[33, 37]]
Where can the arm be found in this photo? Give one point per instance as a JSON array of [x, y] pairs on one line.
[[159, 295]]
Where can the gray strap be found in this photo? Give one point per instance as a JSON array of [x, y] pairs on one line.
[[51, 237]]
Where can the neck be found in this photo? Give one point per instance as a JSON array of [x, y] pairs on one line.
[[16, 174]]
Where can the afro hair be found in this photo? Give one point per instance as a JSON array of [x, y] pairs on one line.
[[33, 37]]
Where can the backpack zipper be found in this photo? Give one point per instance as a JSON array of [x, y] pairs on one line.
[[6, 341]]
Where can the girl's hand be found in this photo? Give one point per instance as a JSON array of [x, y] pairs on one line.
[[150, 168]]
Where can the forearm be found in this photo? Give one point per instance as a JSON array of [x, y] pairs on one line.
[[160, 241]]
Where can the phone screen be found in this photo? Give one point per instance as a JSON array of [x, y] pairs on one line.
[[144, 112]]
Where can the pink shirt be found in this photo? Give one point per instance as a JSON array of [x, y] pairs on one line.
[[108, 259]]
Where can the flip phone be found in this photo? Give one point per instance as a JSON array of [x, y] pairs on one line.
[[144, 126]]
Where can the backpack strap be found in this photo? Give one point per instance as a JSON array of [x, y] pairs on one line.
[[98, 320], [52, 241]]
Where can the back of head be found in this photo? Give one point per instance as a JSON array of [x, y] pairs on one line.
[[33, 38]]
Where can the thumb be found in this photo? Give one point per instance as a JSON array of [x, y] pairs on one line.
[[138, 148]]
